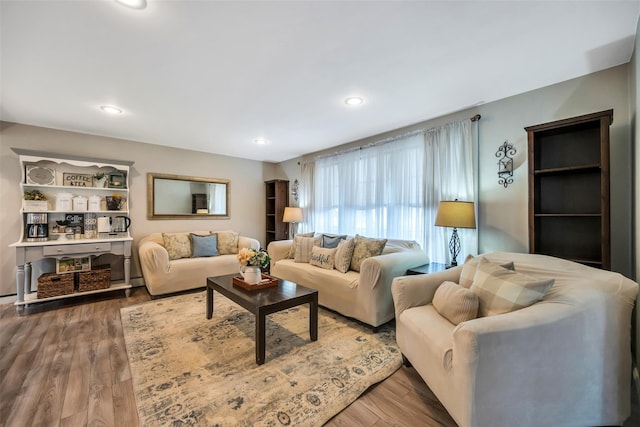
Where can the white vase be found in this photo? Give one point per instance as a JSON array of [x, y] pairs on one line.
[[100, 183], [251, 274]]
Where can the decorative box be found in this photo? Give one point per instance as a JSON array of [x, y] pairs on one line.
[[35, 206], [71, 265]]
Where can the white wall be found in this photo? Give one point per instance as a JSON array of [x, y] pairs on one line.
[[247, 206], [503, 213]]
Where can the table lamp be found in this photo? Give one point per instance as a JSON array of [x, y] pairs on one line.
[[292, 215], [455, 214]]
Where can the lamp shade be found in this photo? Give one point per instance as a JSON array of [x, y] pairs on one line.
[[292, 215], [456, 214]]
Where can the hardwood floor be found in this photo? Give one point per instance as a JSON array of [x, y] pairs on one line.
[[65, 364]]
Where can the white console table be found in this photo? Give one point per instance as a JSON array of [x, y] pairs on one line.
[[28, 252]]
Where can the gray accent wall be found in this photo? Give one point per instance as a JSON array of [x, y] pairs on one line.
[[502, 222], [247, 205], [503, 212]]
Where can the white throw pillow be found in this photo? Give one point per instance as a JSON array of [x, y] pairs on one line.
[[303, 247], [323, 257], [455, 303], [292, 249], [344, 251], [469, 270], [501, 291]]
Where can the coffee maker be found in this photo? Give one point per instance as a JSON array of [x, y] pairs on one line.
[[37, 227]]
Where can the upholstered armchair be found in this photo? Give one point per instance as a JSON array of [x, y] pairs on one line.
[[564, 360]]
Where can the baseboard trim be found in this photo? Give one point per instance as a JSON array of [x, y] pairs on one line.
[[10, 299]]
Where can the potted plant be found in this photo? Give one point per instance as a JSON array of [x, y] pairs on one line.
[[251, 264], [99, 180], [34, 201]]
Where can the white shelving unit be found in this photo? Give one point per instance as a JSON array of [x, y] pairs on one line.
[[45, 172]]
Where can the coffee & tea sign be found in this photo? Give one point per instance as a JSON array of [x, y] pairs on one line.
[[77, 180]]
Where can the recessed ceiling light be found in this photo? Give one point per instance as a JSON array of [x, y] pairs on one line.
[[111, 109], [354, 100], [133, 4], [260, 141]]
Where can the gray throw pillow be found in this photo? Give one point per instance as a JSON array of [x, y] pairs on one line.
[[331, 240], [204, 246]]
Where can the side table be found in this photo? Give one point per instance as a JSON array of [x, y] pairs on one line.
[[433, 267]]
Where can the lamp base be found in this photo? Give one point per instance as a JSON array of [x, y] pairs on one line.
[[454, 247]]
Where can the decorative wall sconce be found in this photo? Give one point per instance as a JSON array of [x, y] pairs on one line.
[[294, 190], [505, 155]]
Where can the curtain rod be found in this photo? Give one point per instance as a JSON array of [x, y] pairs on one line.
[[388, 140]]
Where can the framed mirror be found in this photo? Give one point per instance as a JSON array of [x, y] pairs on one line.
[[186, 197]]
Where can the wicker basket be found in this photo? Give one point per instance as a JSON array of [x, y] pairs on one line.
[[53, 285], [98, 278]]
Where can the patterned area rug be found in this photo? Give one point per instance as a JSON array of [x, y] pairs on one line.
[[188, 370]]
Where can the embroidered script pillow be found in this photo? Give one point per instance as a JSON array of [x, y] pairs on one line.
[[323, 257], [304, 246]]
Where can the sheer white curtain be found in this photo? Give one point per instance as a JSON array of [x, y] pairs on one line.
[[449, 175], [392, 189], [217, 195]]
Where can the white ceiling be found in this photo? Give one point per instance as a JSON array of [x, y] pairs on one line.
[[213, 75]]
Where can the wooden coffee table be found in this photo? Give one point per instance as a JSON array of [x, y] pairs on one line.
[[265, 301]]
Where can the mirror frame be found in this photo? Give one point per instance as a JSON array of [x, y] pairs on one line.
[[151, 196]]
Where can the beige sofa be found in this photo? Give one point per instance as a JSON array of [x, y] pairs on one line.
[[164, 276], [563, 361], [364, 295]]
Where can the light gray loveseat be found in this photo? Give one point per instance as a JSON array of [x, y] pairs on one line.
[[364, 295], [563, 361]]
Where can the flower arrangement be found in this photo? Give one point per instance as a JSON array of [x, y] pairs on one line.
[[252, 257], [34, 195]]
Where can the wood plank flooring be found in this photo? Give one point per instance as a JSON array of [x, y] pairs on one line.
[[65, 364]]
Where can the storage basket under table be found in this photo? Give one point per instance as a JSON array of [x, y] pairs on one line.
[[98, 278], [53, 285]]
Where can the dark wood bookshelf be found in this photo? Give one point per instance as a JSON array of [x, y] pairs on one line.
[[277, 198], [569, 189]]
